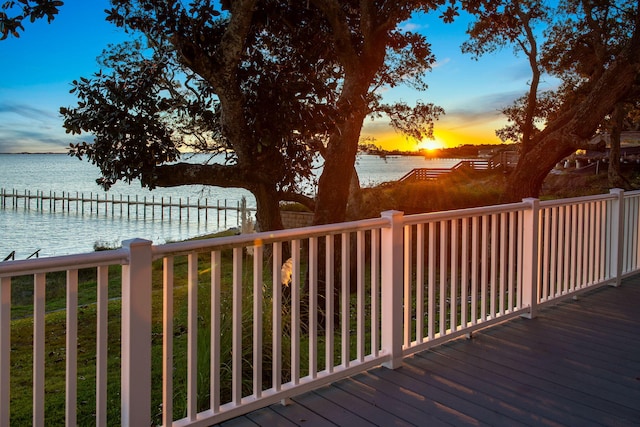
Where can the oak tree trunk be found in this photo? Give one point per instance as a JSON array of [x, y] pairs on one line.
[[613, 173], [268, 208]]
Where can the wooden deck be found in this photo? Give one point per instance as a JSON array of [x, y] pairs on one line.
[[576, 364]]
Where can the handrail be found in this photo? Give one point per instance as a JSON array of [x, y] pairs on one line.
[[267, 237], [464, 213], [580, 199], [64, 262]]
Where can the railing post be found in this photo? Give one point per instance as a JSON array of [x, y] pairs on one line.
[[5, 349], [530, 265], [617, 235], [392, 288], [136, 334]]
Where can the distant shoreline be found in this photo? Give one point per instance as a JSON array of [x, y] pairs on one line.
[[44, 152], [436, 153]]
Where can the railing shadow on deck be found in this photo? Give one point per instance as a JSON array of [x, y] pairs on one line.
[[212, 329]]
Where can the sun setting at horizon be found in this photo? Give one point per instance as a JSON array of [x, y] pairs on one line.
[[430, 144]]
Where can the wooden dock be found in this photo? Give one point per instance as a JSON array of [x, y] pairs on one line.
[[576, 364], [122, 206]]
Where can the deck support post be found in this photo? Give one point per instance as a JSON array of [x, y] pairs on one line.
[[392, 288], [530, 258], [617, 235], [136, 334]]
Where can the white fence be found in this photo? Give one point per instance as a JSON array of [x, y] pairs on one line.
[[206, 331]]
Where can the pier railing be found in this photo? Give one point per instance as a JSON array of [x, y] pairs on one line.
[[212, 329], [124, 206], [504, 161]]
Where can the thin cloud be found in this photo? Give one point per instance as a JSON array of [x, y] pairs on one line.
[[27, 111], [18, 140], [460, 120], [441, 63], [379, 125], [490, 103], [28, 128], [477, 111], [412, 26], [518, 71]]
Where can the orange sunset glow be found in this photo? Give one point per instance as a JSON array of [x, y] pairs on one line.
[[431, 144], [446, 135]]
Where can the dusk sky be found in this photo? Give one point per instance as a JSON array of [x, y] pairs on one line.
[[38, 68]]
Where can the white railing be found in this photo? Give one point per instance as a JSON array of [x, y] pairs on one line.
[[208, 331]]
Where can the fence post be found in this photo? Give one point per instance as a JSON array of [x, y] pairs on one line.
[[5, 348], [530, 244], [136, 334], [617, 235], [392, 288]]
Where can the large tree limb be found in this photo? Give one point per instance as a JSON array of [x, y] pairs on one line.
[[339, 23], [289, 196], [189, 173]]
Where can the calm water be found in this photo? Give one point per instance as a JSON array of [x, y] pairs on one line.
[[61, 233]]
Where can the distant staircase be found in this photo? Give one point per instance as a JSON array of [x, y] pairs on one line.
[[505, 160]]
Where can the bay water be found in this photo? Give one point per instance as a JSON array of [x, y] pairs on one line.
[[26, 229]]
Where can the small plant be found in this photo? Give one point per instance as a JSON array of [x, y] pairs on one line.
[[246, 221], [100, 245]]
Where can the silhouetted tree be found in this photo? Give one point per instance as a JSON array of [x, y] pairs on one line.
[[269, 84], [593, 47]]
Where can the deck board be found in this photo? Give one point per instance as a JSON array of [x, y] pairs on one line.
[[363, 386], [269, 417], [576, 363]]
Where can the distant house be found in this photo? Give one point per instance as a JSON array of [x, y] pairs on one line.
[[587, 159], [628, 138]]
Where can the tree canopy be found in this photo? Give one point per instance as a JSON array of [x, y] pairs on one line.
[[270, 85]]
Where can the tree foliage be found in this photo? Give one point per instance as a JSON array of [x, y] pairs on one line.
[[13, 13], [503, 23], [597, 37], [130, 112], [545, 107]]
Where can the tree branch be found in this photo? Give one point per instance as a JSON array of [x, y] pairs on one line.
[[341, 33], [288, 196], [226, 176]]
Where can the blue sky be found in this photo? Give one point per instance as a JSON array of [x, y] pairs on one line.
[[37, 70]]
